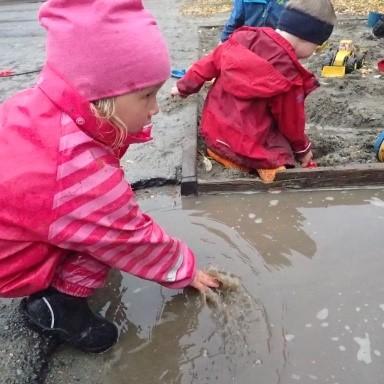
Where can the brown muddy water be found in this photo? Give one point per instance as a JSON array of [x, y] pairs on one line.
[[310, 307]]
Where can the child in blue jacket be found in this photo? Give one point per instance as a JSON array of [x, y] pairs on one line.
[[378, 28], [254, 13]]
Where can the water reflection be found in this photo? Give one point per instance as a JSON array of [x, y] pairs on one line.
[[274, 228], [274, 223], [310, 306]]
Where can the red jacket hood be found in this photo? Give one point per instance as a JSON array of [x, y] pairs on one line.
[[238, 65], [238, 57]]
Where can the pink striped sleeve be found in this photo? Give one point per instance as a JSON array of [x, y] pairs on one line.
[[95, 212]]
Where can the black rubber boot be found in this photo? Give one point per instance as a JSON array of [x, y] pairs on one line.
[[70, 319]]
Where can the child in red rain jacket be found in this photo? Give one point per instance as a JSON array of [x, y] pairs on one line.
[[254, 117], [67, 215]]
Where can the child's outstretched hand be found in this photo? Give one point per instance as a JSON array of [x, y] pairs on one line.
[[202, 282], [175, 91]]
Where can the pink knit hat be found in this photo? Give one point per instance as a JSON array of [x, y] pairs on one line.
[[104, 48]]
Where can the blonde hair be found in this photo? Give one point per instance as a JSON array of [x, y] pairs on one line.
[[321, 9], [105, 109]]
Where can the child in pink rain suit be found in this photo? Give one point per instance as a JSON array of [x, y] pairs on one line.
[[67, 215]]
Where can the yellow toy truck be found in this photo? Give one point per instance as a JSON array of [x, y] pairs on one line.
[[346, 59]]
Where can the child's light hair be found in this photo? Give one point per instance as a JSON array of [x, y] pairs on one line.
[[105, 109], [321, 9]]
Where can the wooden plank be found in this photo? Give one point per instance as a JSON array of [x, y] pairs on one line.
[[299, 178], [189, 186], [189, 159]]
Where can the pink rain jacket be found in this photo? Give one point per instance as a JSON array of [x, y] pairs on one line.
[[62, 192]]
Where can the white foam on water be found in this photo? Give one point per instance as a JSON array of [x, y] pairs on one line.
[[295, 377], [323, 314], [273, 203], [259, 220], [324, 325], [308, 325], [329, 198], [289, 337], [377, 353], [347, 328], [364, 353], [334, 338], [342, 348], [381, 307], [358, 309], [251, 215], [376, 202]]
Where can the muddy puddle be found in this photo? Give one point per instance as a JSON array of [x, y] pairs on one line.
[[310, 306], [344, 115]]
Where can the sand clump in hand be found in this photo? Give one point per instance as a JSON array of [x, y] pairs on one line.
[[229, 284]]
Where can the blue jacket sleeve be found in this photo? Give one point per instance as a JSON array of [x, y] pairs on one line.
[[236, 19]]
